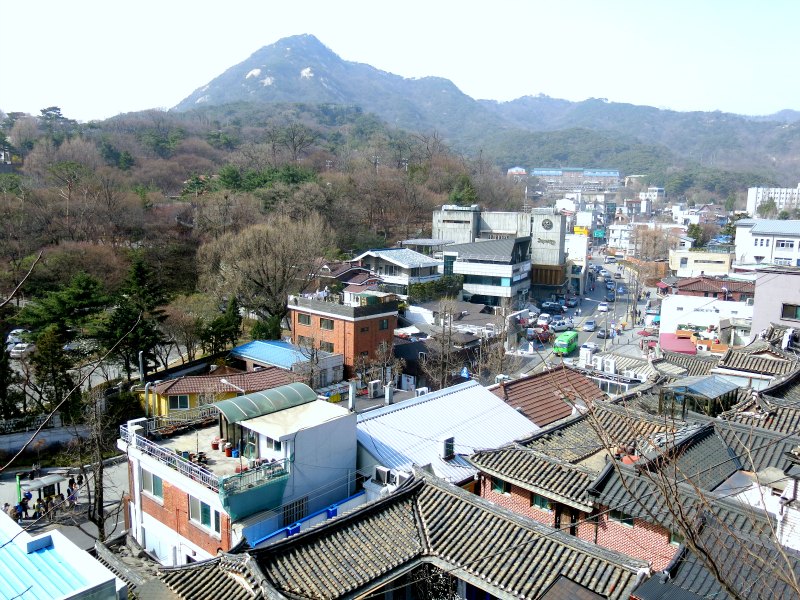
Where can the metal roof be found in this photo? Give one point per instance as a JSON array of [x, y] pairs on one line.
[[709, 386], [403, 257], [770, 226], [258, 404], [495, 250], [273, 352], [412, 432]]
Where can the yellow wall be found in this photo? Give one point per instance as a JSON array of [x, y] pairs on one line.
[[162, 401]]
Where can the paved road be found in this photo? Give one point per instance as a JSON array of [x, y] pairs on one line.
[[72, 523], [617, 313]]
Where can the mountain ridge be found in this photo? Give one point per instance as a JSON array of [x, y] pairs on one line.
[[303, 69]]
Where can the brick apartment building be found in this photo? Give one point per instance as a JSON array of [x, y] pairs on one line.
[[355, 332]]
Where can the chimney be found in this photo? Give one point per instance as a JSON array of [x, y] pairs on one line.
[[388, 392], [351, 397]]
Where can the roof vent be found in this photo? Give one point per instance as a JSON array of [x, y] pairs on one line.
[[448, 448]]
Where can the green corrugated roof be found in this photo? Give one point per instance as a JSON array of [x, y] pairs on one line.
[[263, 403]]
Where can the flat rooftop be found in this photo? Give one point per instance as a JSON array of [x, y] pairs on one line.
[[200, 440]]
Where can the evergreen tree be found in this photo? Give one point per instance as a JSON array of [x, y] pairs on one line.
[[10, 396], [51, 367]]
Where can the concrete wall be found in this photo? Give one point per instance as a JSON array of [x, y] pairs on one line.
[[13, 442], [699, 311], [773, 290], [323, 463]]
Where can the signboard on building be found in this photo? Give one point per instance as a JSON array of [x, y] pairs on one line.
[[611, 208], [580, 230], [599, 233]]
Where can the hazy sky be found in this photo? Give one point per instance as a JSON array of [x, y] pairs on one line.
[[96, 59]]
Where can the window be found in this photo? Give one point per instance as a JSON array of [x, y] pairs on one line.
[[384, 324], [621, 517], [364, 329], [304, 341], [783, 261], [274, 445], [180, 402], [152, 484], [500, 487], [540, 502], [755, 241], [788, 244], [326, 346], [676, 539], [294, 511], [304, 319], [790, 311], [422, 356], [684, 262], [201, 514], [326, 323]]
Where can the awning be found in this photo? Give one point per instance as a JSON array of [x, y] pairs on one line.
[[662, 286], [258, 404]]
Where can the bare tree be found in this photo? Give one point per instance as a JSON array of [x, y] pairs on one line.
[[264, 263], [441, 359]]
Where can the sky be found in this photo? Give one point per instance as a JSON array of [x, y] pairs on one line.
[[99, 58]]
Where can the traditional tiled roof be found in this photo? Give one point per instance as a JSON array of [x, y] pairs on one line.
[[430, 521], [252, 381], [229, 576], [412, 432], [752, 564], [786, 388], [607, 426], [757, 448], [762, 409], [714, 284], [623, 487], [538, 473], [549, 396], [693, 364], [764, 362]]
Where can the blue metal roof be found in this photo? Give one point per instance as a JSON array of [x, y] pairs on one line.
[[36, 570], [273, 352]]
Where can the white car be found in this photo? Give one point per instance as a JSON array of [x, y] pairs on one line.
[[591, 346], [543, 319], [603, 273], [562, 325], [21, 350], [602, 307], [15, 336], [589, 325]]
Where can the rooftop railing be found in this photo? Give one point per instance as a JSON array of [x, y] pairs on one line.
[[259, 473], [170, 458]]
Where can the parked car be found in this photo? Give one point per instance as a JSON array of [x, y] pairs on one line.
[[602, 307], [603, 334], [610, 285], [571, 302], [610, 297], [604, 273], [553, 307], [21, 350], [590, 346], [617, 275], [562, 325], [540, 334], [589, 325], [543, 319]]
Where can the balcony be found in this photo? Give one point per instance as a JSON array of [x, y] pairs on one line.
[[222, 474]]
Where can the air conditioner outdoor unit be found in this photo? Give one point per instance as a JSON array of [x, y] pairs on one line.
[[375, 388], [501, 378], [702, 347], [629, 374], [610, 366], [381, 475], [420, 391]]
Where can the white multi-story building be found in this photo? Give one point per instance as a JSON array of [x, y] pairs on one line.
[[785, 198], [767, 241], [496, 272], [577, 250], [399, 267], [653, 194], [244, 468]]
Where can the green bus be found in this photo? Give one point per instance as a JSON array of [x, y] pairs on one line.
[[566, 343]]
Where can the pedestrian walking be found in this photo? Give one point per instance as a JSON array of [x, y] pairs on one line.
[[51, 508]]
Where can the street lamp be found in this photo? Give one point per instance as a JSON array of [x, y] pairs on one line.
[[226, 382]]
